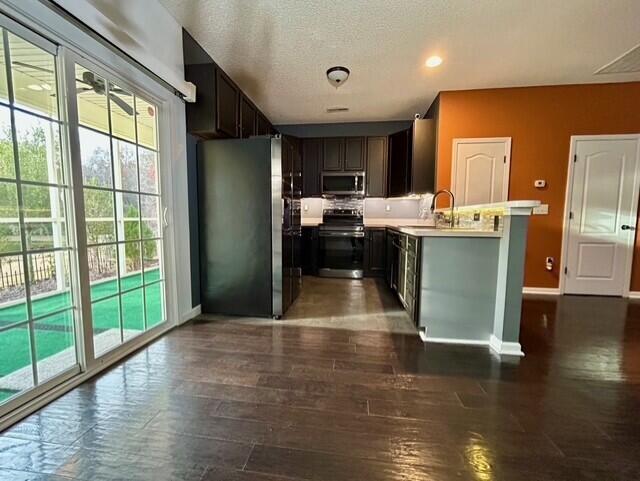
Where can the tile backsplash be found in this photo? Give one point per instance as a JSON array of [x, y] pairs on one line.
[[374, 208]]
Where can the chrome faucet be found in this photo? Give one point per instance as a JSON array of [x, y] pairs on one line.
[[453, 202]]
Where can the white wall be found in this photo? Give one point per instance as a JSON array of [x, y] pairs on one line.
[[142, 28]]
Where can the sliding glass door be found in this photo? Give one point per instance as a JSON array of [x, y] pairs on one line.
[[117, 133], [37, 304], [81, 215]]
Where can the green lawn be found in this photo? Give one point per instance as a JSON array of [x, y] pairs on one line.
[[53, 334]]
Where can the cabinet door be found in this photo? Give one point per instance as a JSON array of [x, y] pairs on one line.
[[247, 118], [226, 105], [310, 251], [311, 159], [423, 156], [354, 153], [262, 125], [376, 167], [333, 153], [398, 164], [375, 253]]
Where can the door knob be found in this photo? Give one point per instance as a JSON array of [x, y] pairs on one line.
[[627, 227]]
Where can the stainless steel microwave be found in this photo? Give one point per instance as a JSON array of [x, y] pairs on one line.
[[343, 183]]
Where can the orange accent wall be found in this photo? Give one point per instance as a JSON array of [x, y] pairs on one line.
[[540, 122]]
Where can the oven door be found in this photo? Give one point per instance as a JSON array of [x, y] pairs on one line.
[[341, 254], [342, 183]]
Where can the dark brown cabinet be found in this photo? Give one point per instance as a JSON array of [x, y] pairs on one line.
[[247, 121], [375, 252], [310, 251], [263, 126], [412, 159], [311, 165], [376, 173], [333, 154], [226, 105], [354, 154]]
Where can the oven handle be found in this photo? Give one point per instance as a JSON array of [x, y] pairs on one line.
[[341, 234]]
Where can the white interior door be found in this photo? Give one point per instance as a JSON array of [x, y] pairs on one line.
[[480, 173], [602, 214]]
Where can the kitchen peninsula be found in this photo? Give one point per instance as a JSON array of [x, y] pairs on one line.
[[461, 284]]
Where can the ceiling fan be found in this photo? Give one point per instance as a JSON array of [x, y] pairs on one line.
[[94, 84]]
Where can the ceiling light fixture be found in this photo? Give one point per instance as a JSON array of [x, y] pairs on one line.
[[433, 61], [337, 75]]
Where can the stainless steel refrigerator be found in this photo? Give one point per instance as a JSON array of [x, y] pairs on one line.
[[249, 194]]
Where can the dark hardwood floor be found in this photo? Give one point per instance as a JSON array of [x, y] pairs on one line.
[[229, 401]]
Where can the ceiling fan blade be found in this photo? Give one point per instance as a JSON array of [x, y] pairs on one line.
[[32, 67], [128, 109]]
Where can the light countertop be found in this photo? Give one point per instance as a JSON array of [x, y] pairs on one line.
[[417, 228]]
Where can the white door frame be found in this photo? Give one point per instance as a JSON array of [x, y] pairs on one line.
[[483, 140], [567, 203]]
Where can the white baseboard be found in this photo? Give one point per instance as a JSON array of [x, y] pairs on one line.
[[505, 348], [196, 311], [634, 295], [447, 340], [545, 291]]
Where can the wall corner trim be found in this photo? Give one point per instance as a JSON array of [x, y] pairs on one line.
[[505, 348], [187, 316], [545, 291], [633, 295]]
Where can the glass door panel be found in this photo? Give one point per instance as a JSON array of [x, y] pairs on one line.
[[118, 148], [37, 305]]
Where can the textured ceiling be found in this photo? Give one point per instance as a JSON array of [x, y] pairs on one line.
[[278, 50]]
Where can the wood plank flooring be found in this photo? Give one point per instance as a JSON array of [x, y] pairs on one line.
[[235, 401]]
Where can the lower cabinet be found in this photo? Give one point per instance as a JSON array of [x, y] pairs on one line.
[[403, 270], [310, 251], [375, 252]]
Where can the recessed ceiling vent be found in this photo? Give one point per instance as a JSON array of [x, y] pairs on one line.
[[628, 62], [335, 110]]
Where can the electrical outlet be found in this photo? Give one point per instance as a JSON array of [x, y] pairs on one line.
[[387, 208], [306, 208], [542, 209]]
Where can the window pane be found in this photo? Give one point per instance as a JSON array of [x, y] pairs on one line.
[[154, 304], [7, 163], [98, 208], [38, 149], [10, 240], [129, 215], [15, 362], [55, 344], [44, 217], [103, 271], [133, 313], [122, 118], [13, 307], [128, 165], [34, 78], [152, 252], [131, 276], [4, 89], [50, 282], [147, 121], [92, 103], [148, 171], [106, 325], [95, 151], [150, 216]]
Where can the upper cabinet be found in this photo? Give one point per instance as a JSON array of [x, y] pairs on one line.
[[376, 174], [221, 109], [333, 153], [343, 154], [311, 166], [354, 153], [248, 118], [412, 159]]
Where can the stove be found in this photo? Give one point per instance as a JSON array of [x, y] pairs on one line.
[[341, 243]]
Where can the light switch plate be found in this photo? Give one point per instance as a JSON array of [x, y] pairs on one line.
[[542, 209]]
